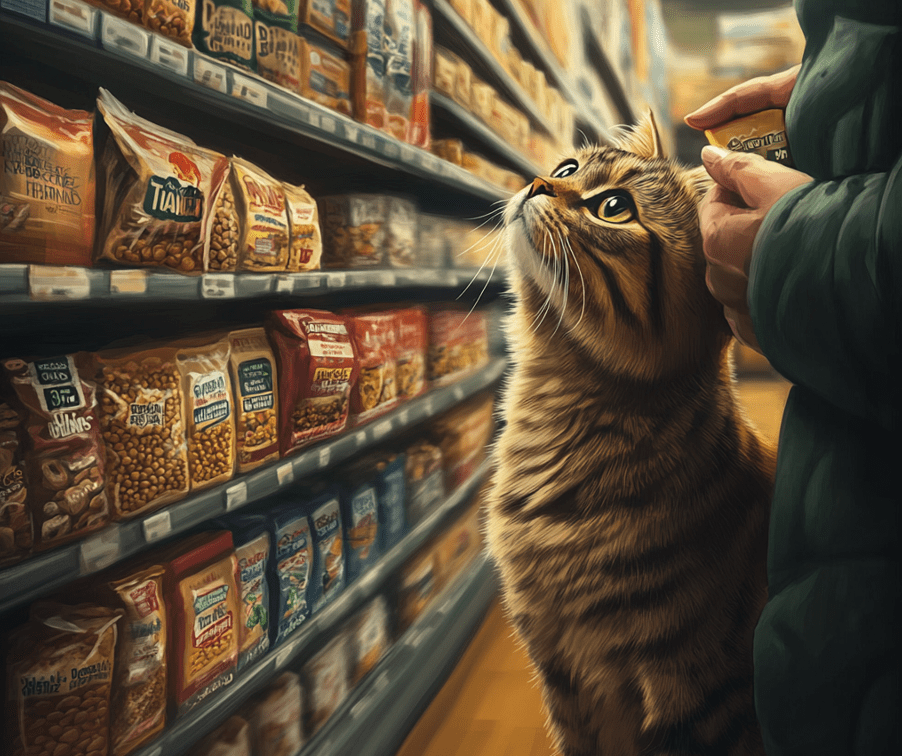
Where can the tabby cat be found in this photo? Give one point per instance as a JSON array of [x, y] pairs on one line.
[[629, 509]]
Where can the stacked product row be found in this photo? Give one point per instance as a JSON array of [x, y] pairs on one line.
[[101, 668], [90, 438]]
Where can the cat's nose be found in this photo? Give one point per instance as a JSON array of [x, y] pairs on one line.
[[540, 186]]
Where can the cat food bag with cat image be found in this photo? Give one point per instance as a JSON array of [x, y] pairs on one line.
[[368, 63], [16, 534], [326, 682], [276, 718], [353, 231], [360, 516], [305, 249], [330, 17], [369, 638], [325, 76], [65, 460], [317, 368], [59, 668], [278, 50], [424, 480], [263, 237], [375, 337], [328, 549], [291, 568], [46, 181], [413, 341], [225, 31], [172, 18], [157, 188], [232, 738], [252, 366]]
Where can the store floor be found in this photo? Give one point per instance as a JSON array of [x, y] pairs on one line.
[[491, 706]]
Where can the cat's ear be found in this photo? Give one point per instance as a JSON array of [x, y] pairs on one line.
[[642, 139], [700, 181]]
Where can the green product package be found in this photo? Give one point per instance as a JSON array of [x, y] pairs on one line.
[[281, 13], [225, 31]]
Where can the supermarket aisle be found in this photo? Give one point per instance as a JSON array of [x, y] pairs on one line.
[[490, 706]]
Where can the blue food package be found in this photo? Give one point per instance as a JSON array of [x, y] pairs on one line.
[[328, 578], [253, 550], [360, 516], [391, 489], [292, 563]]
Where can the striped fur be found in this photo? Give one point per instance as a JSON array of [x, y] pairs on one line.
[[629, 509]]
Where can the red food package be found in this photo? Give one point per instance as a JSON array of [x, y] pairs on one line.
[[458, 343], [376, 343], [64, 452], [317, 367], [413, 341]]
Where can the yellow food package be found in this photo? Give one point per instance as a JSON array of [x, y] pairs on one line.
[[263, 218], [763, 133], [306, 246]]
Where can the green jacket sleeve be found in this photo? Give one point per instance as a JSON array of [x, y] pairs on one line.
[[825, 288]]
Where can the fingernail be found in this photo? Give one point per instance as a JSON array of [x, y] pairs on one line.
[[710, 153]]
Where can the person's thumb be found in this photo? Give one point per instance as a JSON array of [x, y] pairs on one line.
[[729, 169]]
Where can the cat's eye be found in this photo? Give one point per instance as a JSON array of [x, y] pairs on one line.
[[613, 206], [567, 168]]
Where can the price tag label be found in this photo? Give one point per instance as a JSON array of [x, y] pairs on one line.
[[169, 55], [368, 141], [157, 526], [458, 393], [284, 284], [249, 90], [128, 281], [123, 36], [99, 551], [385, 278], [404, 417], [74, 15], [391, 149], [337, 280], [285, 473], [210, 74], [408, 153], [219, 286], [236, 496], [428, 407], [327, 124], [48, 282], [284, 654], [382, 429], [325, 454], [360, 439]]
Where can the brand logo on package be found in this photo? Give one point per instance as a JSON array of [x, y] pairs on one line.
[[176, 198], [292, 541], [58, 389], [326, 522], [209, 599], [264, 196], [364, 503]]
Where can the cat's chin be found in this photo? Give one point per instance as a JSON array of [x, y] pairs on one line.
[[527, 261]]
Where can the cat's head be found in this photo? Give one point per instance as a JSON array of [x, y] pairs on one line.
[[606, 250]]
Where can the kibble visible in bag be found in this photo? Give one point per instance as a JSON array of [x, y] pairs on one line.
[[209, 412], [276, 718], [224, 232], [306, 245], [458, 343], [413, 341], [59, 669], [328, 547], [326, 677], [225, 31], [16, 536], [370, 639], [353, 231], [263, 244], [133, 10], [142, 421], [157, 188], [253, 371], [46, 181], [64, 452], [292, 568], [375, 338], [172, 18]]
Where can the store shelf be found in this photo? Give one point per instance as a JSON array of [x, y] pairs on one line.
[[463, 119], [41, 285], [168, 77], [448, 19], [185, 733], [381, 711], [39, 575]]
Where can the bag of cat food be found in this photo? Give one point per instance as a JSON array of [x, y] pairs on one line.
[[391, 490], [224, 230], [420, 583], [360, 515], [16, 536], [413, 341], [253, 553], [46, 181], [400, 231], [305, 249], [317, 368], [174, 18], [424, 480], [253, 372], [326, 678], [263, 239], [458, 344], [331, 17], [420, 119], [63, 452], [463, 434], [375, 337], [142, 421], [368, 63], [328, 549], [400, 30], [232, 738], [225, 31], [209, 412], [325, 76], [59, 668], [157, 188], [278, 50], [276, 718], [292, 568], [353, 231], [204, 606], [369, 640], [133, 10]]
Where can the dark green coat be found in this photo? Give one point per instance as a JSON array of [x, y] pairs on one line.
[[826, 303]]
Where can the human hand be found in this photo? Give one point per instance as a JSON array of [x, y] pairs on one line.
[[746, 187], [751, 96]]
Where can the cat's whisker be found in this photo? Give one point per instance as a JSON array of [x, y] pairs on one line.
[[546, 307], [581, 280], [485, 262], [566, 261], [494, 254]]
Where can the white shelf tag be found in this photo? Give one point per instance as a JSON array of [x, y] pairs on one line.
[[170, 55], [74, 15], [382, 429], [157, 526], [249, 90], [408, 153], [218, 286], [49, 282], [285, 473], [285, 284], [123, 36], [284, 654], [367, 140], [385, 278], [458, 392], [404, 417], [427, 405], [236, 495], [391, 149], [210, 74], [128, 281], [337, 280], [99, 551], [327, 124], [360, 438], [325, 454]]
